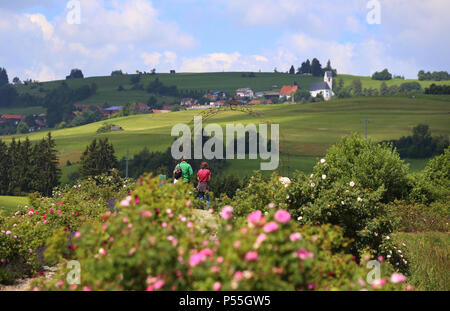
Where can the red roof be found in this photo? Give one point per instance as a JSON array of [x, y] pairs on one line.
[[255, 102], [12, 117], [288, 89]]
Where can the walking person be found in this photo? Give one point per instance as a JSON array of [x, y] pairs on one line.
[[183, 171], [203, 177]]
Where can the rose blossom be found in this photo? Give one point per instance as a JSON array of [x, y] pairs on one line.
[[251, 256], [271, 227], [295, 236], [227, 212], [398, 278], [217, 286], [304, 254], [255, 217], [282, 216]]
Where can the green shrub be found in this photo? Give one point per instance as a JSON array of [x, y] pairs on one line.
[[415, 217], [154, 243], [367, 163], [30, 228]]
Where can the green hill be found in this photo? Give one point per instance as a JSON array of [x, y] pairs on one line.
[[307, 130]]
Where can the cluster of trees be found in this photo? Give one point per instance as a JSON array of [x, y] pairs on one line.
[[314, 68], [97, 158], [9, 95], [75, 74], [158, 88], [59, 102], [356, 89], [382, 75], [433, 76], [26, 168], [421, 144], [438, 89]]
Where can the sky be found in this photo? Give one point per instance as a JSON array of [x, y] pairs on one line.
[[44, 39]]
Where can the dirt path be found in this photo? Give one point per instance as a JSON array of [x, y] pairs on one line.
[[24, 284]]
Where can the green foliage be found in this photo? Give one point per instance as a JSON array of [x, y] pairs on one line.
[[75, 74], [22, 128], [438, 89], [383, 75], [421, 144], [98, 158], [27, 168], [428, 255], [154, 243], [48, 223], [3, 77], [416, 217], [409, 87], [434, 76], [367, 163]]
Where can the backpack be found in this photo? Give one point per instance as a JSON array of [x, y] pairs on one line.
[[178, 173]]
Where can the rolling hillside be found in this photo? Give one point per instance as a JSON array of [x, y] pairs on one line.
[[307, 130]]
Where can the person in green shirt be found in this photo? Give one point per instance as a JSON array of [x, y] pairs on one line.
[[186, 170]]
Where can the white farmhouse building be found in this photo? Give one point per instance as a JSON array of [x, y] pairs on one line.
[[325, 87]]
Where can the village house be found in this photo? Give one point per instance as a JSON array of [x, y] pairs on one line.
[[325, 88], [107, 112], [271, 95], [254, 102], [142, 108], [188, 102], [246, 93], [216, 95], [13, 117], [288, 91]]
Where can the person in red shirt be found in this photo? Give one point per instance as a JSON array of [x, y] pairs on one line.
[[203, 177]]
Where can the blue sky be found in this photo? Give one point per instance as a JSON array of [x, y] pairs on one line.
[[221, 35]]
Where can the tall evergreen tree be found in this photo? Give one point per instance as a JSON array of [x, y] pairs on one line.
[[4, 164], [14, 170], [316, 68], [3, 77], [292, 70], [98, 158], [46, 172]]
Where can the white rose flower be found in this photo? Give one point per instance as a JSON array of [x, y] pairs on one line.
[[324, 176], [352, 184], [322, 161]]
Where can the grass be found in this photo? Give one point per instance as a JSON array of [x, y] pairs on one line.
[[429, 259], [306, 130], [23, 111], [8, 205], [367, 82]]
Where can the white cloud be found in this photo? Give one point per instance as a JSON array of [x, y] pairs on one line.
[[151, 59], [122, 30], [210, 62]]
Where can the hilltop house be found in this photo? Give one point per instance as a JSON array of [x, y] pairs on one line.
[[325, 87], [288, 91], [245, 93]]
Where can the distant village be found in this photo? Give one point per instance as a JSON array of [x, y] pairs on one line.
[[212, 99]]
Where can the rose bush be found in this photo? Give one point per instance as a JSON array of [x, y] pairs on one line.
[[153, 242], [21, 250]]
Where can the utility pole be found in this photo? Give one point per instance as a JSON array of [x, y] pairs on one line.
[[366, 124], [126, 166]]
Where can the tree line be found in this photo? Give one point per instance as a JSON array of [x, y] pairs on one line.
[[27, 167], [433, 76], [313, 68], [421, 144]]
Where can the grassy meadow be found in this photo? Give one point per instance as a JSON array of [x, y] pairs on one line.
[[306, 130], [8, 205]]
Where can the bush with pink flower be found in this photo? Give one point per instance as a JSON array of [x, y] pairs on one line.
[[155, 243]]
